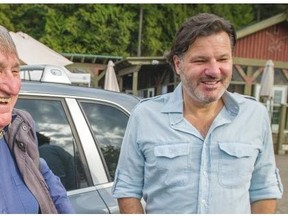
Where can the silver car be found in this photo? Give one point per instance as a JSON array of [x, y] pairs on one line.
[[80, 131]]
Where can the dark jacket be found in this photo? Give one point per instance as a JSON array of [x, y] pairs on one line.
[[21, 141]]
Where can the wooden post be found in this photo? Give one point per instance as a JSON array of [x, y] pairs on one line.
[[249, 81], [135, 83], [281, 134], [120, 79]]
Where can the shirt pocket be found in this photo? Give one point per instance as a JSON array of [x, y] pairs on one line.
[[172, 163], [236, 164]]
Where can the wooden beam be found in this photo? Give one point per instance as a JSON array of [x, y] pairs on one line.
[[257, 73], [237, 82], [146, 60], [129, 70], [285, 72], [257, 62], [241, 72], [101, 75]]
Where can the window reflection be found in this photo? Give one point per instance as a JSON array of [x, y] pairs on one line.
[[55, 140], [108, 125]]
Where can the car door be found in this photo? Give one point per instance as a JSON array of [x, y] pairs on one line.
[[108, 122], [67, 153]]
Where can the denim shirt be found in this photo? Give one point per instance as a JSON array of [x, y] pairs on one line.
[[15, 197], [166, 161], [56, 190]]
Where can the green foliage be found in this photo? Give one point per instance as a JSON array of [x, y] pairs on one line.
[[91, 29], [29, 18], [112, 29], [264, 11], [5, 17]]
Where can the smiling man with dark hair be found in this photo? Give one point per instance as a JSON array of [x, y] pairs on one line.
[[199, 149]]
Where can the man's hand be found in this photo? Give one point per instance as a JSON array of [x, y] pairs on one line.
[[264, 206], [130, 206]]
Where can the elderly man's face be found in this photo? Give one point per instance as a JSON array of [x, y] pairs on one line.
[[10, 84]]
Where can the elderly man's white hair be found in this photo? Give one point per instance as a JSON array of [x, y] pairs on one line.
[[7, 44]]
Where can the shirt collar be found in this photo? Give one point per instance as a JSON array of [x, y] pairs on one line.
[[175, 102], [232, 102]]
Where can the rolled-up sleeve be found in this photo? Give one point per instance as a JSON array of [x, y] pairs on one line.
[[266, 182], [128, 180]]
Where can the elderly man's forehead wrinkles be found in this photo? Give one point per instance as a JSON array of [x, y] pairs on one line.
[[7, 48], [3, 64]]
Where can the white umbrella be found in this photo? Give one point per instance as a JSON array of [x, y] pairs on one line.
[[111, 82], [266, 89], [31, 51]]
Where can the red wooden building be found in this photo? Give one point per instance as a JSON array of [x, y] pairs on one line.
[[265, 40], [256, 44]]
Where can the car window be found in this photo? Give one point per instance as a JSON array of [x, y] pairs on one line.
[[55, 140], [108, 124]]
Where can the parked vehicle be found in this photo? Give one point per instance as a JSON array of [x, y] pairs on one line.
[[53, 74], [87, 125]]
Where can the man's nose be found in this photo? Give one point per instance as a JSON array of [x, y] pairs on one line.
[[213, 68]]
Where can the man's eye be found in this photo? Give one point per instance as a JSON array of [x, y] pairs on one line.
[[199, 61], [223, 60], [16, 72]]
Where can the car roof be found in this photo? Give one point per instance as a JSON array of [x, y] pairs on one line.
[[49, 89], [38, 66]]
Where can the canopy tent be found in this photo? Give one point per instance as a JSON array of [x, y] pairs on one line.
[[266, 89], [33, 52]]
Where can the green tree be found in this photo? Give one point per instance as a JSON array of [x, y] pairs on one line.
[[112, 29], [160, 22], [238, 14], [264, 11], [91, 29], [29, 18], [5, 17]]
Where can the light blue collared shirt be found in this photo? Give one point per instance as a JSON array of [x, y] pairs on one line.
[[165, 160]]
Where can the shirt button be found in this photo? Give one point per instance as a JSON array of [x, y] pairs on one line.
[[204, 203], [204, 173]]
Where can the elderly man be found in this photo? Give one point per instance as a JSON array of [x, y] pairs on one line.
[[27, 185]]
